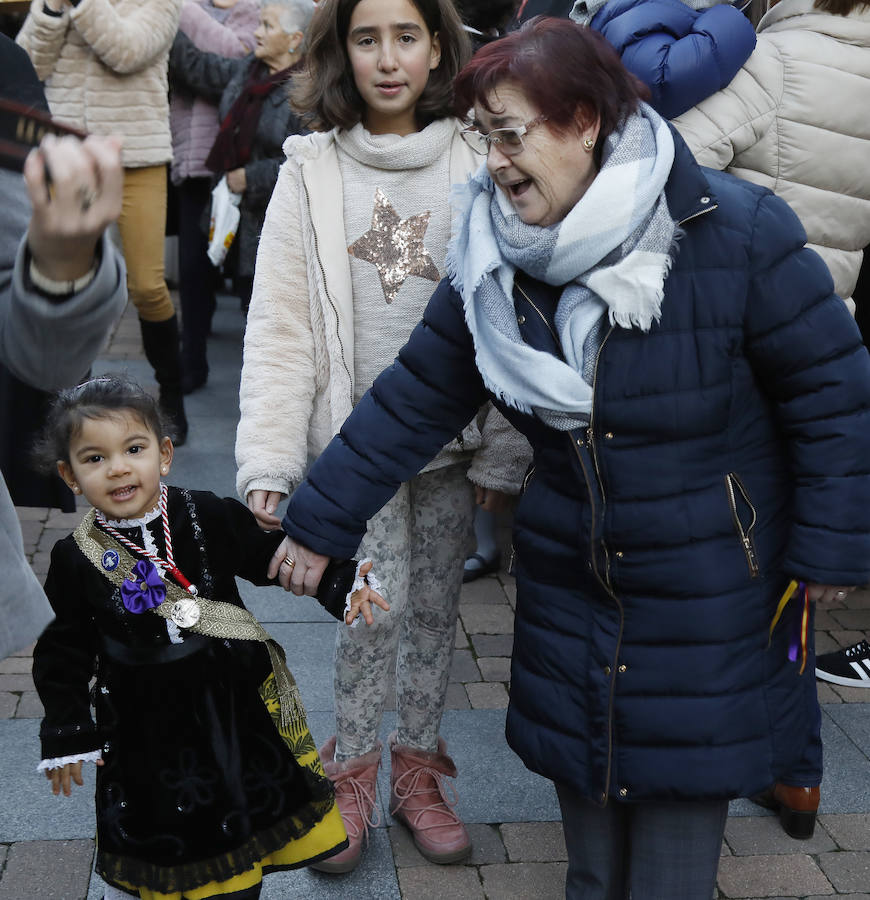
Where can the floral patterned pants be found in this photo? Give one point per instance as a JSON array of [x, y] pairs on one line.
[[418, 543]]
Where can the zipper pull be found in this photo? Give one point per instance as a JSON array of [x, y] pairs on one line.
[[589, 437], [750, 555]]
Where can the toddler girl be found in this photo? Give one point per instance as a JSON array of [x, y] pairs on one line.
[[208, 776]]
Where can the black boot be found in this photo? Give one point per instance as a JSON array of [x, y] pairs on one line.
[[160, 340]]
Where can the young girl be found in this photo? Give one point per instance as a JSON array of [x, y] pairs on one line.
[[208, 776], [352, 248]]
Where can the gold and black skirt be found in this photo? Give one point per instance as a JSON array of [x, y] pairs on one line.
[[202, 790]]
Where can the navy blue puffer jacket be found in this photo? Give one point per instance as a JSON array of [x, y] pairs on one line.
[[729, 450], [682, 55]]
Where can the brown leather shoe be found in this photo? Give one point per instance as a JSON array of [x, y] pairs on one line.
[[797, 808]]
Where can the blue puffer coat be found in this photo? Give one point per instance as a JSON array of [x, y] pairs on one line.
[[682, 55], [729, 449]]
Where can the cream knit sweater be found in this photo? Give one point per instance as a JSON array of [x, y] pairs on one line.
[[104, 64]]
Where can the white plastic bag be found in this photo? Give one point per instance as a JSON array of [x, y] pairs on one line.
[[223, 222]]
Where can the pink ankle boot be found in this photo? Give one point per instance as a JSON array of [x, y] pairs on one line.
[[419, 799], [355, 783]]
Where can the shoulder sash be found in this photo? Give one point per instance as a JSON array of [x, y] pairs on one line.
[[216, 619]]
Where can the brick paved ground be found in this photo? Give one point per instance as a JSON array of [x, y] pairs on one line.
[[46, 849]]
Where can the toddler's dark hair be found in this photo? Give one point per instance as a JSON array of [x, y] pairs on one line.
[[99, 398]]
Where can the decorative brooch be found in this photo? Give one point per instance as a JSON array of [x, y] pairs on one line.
[[143, 588], [185, 613]]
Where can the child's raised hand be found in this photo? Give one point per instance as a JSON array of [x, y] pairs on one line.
[[361, 600], [61, 777]]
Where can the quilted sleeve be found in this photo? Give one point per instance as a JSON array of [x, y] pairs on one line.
[[807, 352], [42, 36], [736, 118], [131, 41], [683, 68]]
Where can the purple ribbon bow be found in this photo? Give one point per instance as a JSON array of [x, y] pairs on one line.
[[143, 588]]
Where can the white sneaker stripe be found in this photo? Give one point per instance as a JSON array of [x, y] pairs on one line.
[[862, 667]]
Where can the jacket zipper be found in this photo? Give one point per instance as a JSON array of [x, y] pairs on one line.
[[605, 582], [732, 480], [326, 289], [590, 434], [702, 212]]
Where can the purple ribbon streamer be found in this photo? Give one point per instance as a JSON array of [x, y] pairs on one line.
[[794, 642], [143, 589]]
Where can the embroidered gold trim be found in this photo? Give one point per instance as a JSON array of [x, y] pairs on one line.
[[217, 619]]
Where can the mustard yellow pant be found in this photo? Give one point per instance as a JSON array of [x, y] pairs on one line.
[[143, 227]]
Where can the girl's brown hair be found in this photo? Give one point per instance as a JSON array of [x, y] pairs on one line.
[[326, 93]]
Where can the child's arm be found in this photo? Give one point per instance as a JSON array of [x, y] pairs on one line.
[[63, 663]]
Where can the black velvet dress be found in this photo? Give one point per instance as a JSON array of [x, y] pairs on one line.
[[201, 785]]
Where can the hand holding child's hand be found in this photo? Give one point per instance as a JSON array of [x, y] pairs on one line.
[[61, 778], [361, 600], [298, 569], [828, 595]]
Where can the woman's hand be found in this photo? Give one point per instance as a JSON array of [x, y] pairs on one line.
[[263, 505], [75, 189], [61, 778], [237, 181], [828, 594], [303, 577], [490, 500], [298, 569], [361, 600]]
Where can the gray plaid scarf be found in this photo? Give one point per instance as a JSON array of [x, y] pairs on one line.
[[612, 251]]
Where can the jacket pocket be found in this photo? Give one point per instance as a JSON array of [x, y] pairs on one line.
[[744, 517]]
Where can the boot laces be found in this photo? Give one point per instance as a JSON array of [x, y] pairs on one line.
[[354, 799], [414, 782]]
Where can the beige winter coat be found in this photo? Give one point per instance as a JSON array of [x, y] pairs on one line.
[[104, 64], [796, 119], [297, 384]]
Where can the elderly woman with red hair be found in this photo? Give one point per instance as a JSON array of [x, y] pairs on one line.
[[698, 402]]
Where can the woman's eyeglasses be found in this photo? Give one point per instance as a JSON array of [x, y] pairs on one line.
[[508, 140]]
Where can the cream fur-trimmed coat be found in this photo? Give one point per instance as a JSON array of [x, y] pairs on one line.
[[297, 377], [796, 119], [104, 64]]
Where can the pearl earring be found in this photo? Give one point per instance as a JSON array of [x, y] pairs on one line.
[[163, 470], [588, 143], [76, 489]]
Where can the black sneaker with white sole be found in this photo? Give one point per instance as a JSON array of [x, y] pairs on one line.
[[850, 667]]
